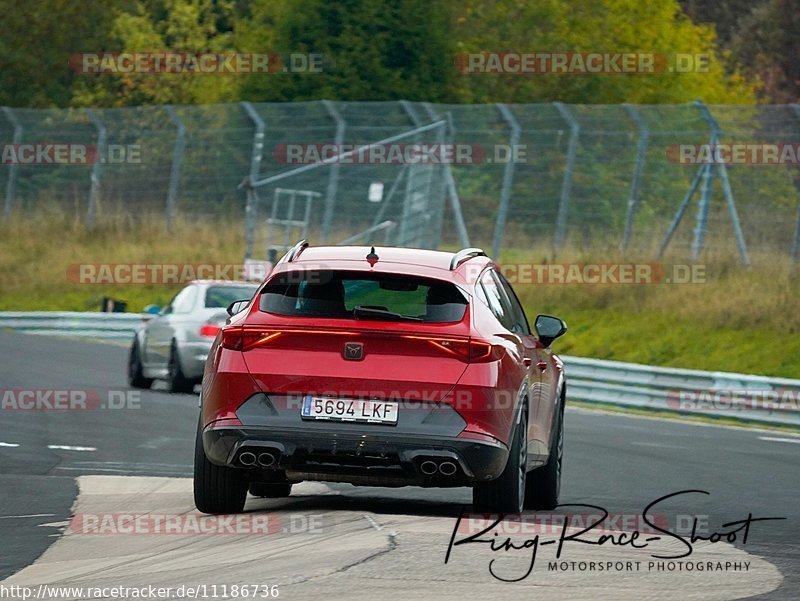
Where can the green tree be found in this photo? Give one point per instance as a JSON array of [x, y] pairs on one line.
[[767, 42], [36, 41], [763, 37], [174, 25], [371, 49], [723, 14], [606, 26]]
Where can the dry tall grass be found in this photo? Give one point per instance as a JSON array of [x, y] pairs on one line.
[[737, 320]]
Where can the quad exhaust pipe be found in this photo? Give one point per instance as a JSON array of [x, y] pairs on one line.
[[266, 460], [445, 468], [428, 467], [263, 459], [247, 458]]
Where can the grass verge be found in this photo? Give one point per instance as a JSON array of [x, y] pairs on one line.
[[735, 320]]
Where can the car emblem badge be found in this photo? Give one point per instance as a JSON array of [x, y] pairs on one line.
[[353, 351]]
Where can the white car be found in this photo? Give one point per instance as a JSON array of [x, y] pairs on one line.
[[173, 346]]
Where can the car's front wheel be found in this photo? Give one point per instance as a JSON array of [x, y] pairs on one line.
[[507, 493], [217, 489]]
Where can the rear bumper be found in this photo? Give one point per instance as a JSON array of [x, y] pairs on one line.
[[370, 458]]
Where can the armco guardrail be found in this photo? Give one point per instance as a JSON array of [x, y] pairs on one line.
[[712, 393], [716, 394], [119, 326]]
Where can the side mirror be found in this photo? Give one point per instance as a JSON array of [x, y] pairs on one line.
[[548, 328], [152, 309], [237, 306]]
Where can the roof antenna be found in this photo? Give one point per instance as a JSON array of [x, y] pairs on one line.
[[372, 258]]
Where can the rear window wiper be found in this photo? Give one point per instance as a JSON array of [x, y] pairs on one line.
[[376, 313]]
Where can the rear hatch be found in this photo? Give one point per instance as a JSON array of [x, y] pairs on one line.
[[356, 335]]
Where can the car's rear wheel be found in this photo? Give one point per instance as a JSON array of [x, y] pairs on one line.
[[176, 381], [544, 483], [507, 493], [271, 490], [136, 377], [217, 489]]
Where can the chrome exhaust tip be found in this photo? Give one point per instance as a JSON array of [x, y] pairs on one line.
[[428, 467], [247, 458], [266, 460], [447, 468]]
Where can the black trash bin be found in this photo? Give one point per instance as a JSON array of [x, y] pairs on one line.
[[111, 305]]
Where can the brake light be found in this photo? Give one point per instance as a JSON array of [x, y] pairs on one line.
[[232, 338], [209, 330], [457, 348], [238, 338], [468, 351], [480, 351]]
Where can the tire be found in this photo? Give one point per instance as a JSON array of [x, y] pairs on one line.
[[217, 489], [136, 377], [271, 490], [506, 494], [176, 381], [544, 483]]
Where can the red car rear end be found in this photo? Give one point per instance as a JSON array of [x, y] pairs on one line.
[[385, 367]]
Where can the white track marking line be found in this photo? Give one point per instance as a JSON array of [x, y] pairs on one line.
[[31, 515], [776, 439], [62, 447], [54, 524], [130, 472], [655, 444], [8, 444], [373, 523]]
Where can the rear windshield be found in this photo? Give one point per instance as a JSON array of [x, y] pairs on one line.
[[358, 295], [222, 296]]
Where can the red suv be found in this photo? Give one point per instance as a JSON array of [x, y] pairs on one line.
[[382, 367]]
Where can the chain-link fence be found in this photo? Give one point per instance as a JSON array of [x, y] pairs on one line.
[[683, 179]]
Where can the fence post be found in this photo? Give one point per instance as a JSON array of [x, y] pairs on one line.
[[726, 190], [177, 160], [333, 175], [95, 176], [12, 168], [641, 155], [701, 222], [508, 180], [450, 182], [682, 208], [566, 185], [252, 177], [796, 242]]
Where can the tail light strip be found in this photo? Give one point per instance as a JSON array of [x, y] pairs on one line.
[[464, 349]]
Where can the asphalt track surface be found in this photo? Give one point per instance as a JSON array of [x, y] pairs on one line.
[[339, 541]]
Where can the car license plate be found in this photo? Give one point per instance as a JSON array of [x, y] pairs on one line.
[[349, 410]]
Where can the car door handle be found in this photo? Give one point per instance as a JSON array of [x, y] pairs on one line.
[[542, 365], [526, 361]]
